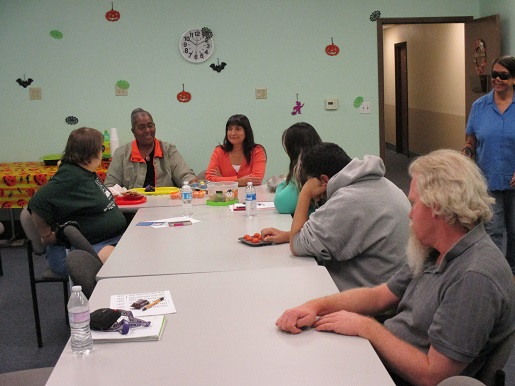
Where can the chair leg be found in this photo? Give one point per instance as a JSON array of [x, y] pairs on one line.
[[65, 291], [36, 313]]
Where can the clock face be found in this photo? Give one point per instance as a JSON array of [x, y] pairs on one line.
[[195, 47]]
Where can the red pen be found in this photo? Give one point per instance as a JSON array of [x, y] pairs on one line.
[[179, 223]]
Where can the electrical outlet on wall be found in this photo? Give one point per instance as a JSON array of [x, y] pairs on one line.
[[35, 94], [365, 108], [261, 93], [120, 91]]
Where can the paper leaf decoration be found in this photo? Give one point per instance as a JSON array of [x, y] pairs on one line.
[[56, 34], [123, 84], [358, 101]]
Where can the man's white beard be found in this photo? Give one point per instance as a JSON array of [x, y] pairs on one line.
[[417, 253]]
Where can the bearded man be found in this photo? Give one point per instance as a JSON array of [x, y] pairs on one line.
[[454, 300]]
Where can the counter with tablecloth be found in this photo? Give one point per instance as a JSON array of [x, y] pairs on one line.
[[20, 180]]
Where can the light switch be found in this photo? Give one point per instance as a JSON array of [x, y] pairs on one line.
[[331, 104]]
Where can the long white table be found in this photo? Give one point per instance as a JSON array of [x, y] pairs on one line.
[[262, 194], [224, 334], [207, 246]]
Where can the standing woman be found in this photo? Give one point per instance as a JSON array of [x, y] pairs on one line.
[[238, 158], [297, 139], [491, 140]]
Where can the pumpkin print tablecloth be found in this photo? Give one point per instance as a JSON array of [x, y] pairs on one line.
[[20, 180]]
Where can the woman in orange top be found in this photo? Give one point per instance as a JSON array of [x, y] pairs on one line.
[[239, 158]]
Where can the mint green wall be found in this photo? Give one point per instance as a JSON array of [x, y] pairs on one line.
[[506, 9], [268, 43]]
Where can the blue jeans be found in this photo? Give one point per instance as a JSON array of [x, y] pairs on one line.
[[502, 221], [56, 254]]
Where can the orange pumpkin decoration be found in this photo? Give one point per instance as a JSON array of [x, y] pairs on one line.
[[112, 15], [332, 49], [183, 96]]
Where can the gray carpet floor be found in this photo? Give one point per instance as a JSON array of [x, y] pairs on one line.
[[18, 344]]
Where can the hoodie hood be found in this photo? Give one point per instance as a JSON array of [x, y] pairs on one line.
[[370, 167]]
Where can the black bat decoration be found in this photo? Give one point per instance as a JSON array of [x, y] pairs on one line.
[[218, 67], [24, 83]]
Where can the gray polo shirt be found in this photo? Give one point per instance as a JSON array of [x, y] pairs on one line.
[[462, 308]]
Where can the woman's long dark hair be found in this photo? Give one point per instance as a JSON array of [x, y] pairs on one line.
[[248, 142], [297, 139]]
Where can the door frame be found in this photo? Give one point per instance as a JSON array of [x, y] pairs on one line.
[[401, 98], [380, 59]]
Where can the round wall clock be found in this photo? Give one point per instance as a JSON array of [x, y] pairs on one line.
[[196, 45]]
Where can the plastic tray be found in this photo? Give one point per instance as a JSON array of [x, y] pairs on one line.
[[260, 244], [120, 200], [160, 190]]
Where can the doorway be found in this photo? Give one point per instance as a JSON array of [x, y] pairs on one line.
[[381, 25]]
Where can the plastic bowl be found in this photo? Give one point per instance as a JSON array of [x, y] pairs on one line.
[[222, 193]]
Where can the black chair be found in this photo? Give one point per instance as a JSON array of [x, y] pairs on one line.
[[492, 373], [82, 262], [36, 250], [2, 229]]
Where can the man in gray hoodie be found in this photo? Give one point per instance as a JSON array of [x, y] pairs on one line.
[[360, 232]]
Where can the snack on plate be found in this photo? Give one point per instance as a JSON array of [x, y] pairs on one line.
[[199, 193], [175, 195], [132, 195], [254, 240]]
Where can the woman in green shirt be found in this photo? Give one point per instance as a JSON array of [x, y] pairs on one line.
[[296, 140]]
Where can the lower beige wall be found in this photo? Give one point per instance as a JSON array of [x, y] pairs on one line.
[[428, 130]]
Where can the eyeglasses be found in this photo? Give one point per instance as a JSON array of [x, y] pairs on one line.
[[142, 127], [501, 75]]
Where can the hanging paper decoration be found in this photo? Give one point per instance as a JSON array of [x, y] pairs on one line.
[[218, 67], [24, 83], [112, 15], [56, 34], [71, 120], [207, 33], [357, 102], [123, 84], [298, 106], [480, 56], [375, 15], [332, 49], [183, 96]]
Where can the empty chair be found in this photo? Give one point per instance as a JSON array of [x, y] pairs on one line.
[[492, 373], [35, 249]]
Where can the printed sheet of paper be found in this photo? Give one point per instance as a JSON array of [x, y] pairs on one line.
[[167, 222], [124, 301]]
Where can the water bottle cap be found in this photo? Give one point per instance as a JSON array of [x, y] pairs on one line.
[[186, 183], [249, 183], [77, 288]]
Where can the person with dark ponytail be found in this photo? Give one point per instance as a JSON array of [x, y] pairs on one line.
[[297, 139]]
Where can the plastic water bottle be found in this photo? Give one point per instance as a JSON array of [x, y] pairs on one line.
[[187, 196], [250, 200], [114, 140], [106, 147], [78, 312]]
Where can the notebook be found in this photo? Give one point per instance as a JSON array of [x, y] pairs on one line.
[[135, 334]]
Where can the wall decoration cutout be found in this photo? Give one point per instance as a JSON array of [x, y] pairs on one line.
[[24, 83], [123, 84], [183, 96], [332, 49], [218, 67], [480, 56], [357, 102], [112, 15], [56, 34], [71, 120], [298, 106], [375, 15]]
